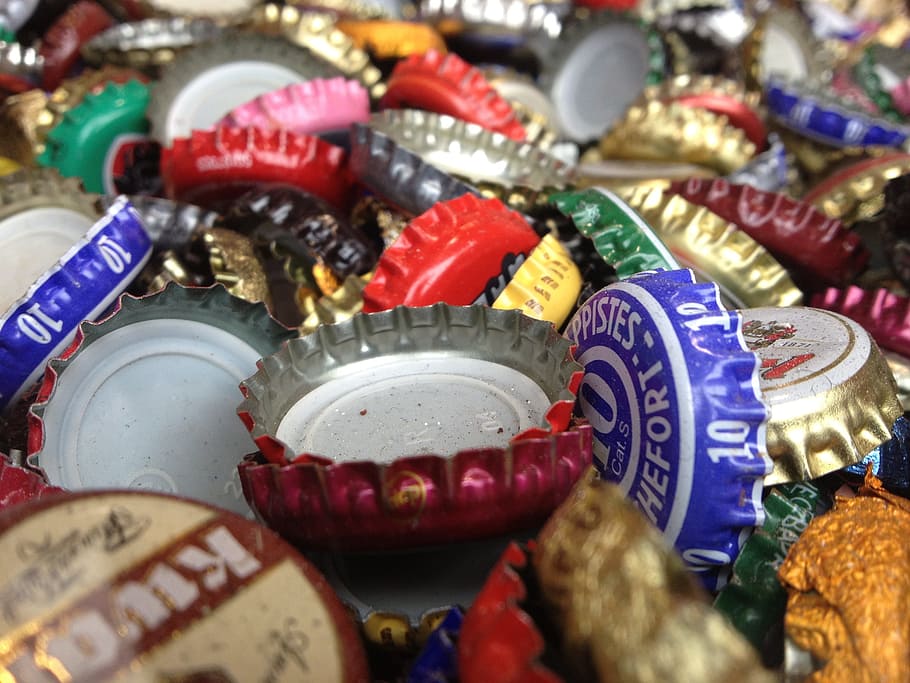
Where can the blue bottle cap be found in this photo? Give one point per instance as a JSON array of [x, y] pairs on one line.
[[438, 661], [819, 115], [891, 460], [671, 391], [81, 286]]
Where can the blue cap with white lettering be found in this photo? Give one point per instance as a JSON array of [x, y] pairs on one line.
[[81, 286], [671, 391]]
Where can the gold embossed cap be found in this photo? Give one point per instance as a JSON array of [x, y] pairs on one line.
[[832, 396], [715, 249]]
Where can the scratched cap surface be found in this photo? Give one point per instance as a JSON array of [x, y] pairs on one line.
[[145, 587]]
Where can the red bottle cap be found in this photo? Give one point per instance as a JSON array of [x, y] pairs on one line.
[[446, 84], [19, 484], [459, 252], [224, 162], [784, 226], [499, 642], [65, 38]]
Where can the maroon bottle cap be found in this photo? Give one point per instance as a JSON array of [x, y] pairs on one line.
[[784, 226], [414, 426], [884, 315], [65, 38]]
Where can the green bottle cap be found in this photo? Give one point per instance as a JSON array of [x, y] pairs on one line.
[[97, 140], [754, 600], [619, 234], [866, 74]]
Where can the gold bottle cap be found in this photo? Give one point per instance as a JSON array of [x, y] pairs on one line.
[[8, 166], [317, 32], [621, 595], [900, 369], [342, 304], [831, 393], [673, 132], [545, 286], [20, 118], [746, 274], [390, 39], [688, 84], [848, 580], [235, 265], [782, 42], [531, 105], [857, 192]]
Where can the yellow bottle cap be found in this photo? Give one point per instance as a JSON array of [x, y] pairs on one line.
[[545, 286]]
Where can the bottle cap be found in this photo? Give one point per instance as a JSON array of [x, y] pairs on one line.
[[316, 32], [303, 226], [471, 151], [14, 14], [389, 39], [20, 484], [774, 170], [627, 54], [618, 594], [754, 601], [312, 107], [161, 588], [496, 18], [857, 191], [207, 81], [438, 660], [890, 461], [900, 368], [398, 175], [818, 115], [717, 250], [882, 313], [173, 427], [718, 95], [446, 84], [226, 11], [619, 234], [673, 132], [218, 164], [234, 263], [368, 444], [656, 349], [872, 76], [95, 140], [80, 286], [20, 67], [149, 43], [342, 304], [172, 225], [828, 606], [532, 107], [783, 226], [831, 394], [64, 39], [19, 115], [459, 252], [781, 43], [545, 286]]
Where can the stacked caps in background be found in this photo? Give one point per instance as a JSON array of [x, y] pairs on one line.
[[491, 341]]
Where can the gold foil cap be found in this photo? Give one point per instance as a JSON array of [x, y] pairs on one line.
[[342, 304], [317, 32], [621, 595], [848, 580], [661, 131], [715, 249], [20, 119], [235, 265], [832, 396]]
